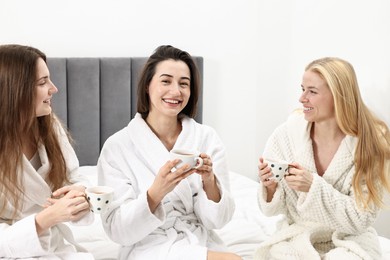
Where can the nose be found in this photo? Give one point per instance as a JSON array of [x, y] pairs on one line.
[[53, 89], [175, 88], [303, 98]]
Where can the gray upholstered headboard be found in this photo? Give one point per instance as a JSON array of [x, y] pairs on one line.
[[97, 97]]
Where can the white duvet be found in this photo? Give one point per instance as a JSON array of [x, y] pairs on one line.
[[248, 228]]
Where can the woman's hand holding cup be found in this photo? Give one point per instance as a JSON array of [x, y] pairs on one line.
[[168, 177], [299, 179], [266, 176], [189, 157]]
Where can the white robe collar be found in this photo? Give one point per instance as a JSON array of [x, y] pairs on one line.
[[342, 161], [35, 187], [154, 154]]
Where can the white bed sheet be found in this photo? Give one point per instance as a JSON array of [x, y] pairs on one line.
[[248, 228]]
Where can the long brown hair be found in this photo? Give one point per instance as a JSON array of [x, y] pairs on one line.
[[162, 53], [18, 72], [372, 155]]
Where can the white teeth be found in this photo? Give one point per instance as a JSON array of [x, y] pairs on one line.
[[307, 108], [171, 101]]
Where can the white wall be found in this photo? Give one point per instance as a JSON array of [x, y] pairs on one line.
[[254, 50], [223, 32]]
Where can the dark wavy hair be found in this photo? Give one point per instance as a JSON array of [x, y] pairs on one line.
[[162, 53]]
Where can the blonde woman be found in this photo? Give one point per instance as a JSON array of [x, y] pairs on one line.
[[37, 164], [339, 168]]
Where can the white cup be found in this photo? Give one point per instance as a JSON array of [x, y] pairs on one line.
[[278, 169], [187, 157], [99, 198]]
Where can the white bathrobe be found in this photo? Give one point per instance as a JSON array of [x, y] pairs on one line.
[[326, 221], [18, 236], [181, 227]]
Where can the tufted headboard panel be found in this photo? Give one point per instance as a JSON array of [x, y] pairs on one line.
[[97, 97]]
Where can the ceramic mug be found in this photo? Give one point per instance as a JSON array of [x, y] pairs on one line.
[[278, 169], [99, 198], [187, 157]]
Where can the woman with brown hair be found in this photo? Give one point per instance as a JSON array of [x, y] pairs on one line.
[[39, 183], [166, 211]]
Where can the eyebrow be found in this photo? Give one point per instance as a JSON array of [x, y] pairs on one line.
[[309, 87], [167, 75]]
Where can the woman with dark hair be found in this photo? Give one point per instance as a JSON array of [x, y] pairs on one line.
[[339, 154], [163, 212], [39, 183]]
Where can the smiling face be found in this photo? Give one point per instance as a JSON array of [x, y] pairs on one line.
[[169, 89], [317, 99], [45, 89]]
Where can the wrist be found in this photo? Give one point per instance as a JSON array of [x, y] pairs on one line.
[[270, 193], [153, 199], [210, 180], [154, 195], [270, 189], [44, 221], [211, 188]]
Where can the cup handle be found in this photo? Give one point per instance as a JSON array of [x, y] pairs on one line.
[[199, 162]]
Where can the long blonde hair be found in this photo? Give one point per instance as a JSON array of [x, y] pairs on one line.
[[18, 70], [372, 153]]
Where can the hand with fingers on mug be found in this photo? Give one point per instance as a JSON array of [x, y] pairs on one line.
[[206, 170], [265, 177], [299, 179], [166, 180]]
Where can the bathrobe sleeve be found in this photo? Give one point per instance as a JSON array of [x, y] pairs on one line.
[[274, 150], [22, 230], [215, 215], [129, 219]]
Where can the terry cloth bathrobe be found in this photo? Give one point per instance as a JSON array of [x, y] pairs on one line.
[[325, 221], [18, 236], [181, 226]]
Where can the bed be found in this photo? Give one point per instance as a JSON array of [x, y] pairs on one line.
[[96, 98]]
